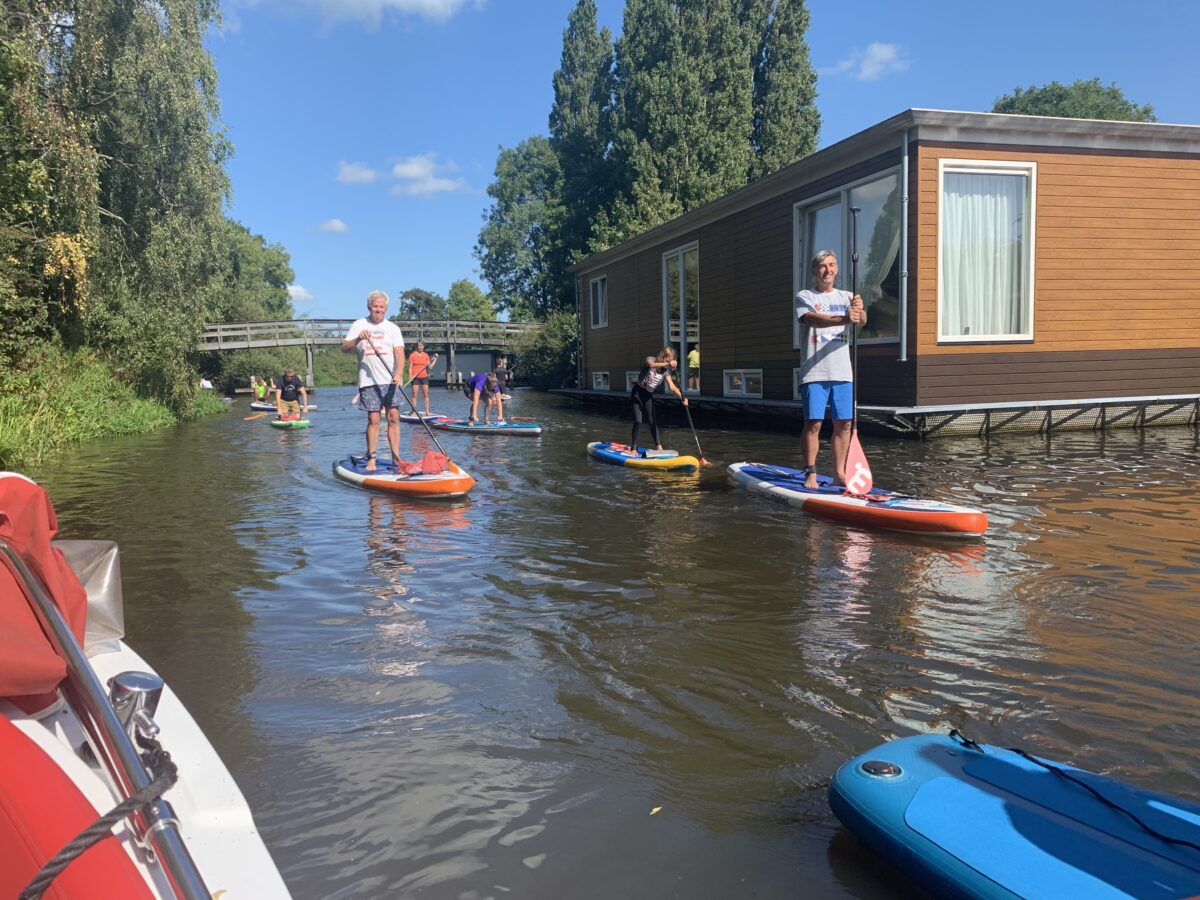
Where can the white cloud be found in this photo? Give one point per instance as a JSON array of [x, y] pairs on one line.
[[425, 175], [334, 226], [300, 294], [871, 64], [355, 173], [369, 12]]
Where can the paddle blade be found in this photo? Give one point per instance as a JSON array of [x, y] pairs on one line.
[[858, 471]]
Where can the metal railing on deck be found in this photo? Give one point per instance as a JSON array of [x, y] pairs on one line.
[[159, 828]]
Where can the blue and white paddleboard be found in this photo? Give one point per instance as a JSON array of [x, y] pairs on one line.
[[970, 820], [527, 428]]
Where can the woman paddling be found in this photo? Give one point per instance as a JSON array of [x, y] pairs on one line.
[[656, 370]]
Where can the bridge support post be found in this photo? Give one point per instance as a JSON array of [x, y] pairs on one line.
[[308, 359], [452, 367]]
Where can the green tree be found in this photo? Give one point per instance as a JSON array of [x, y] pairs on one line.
[[1081, 100], [48, 212], [519, 247], [549, 357], [467, 302], [143, 71], [787, 123], [254, 279], [418, 303], [580, 134]]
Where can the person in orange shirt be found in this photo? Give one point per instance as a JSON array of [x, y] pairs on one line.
[[419, 366]]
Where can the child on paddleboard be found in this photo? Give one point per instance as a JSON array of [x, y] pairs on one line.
[[656, 370]]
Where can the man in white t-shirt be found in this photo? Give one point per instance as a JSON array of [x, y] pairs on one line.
[[825, 366], [380, 347]]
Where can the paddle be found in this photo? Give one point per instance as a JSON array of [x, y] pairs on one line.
[[695, 437], [392, 372], [255, 416], [858, 471]]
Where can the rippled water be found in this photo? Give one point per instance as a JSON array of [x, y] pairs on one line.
[[491, 698]]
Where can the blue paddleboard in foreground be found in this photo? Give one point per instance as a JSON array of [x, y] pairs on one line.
[[968, 819]]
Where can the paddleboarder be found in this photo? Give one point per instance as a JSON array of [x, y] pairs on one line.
[[826, 372], [656, 370], [374, 338], [290, 388], [484, 386], [418, 365]]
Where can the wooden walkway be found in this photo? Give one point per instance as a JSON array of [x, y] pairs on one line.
[[448, 335]]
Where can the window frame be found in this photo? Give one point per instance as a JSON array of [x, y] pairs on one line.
[[598, 322], [746, 375], [630, 378], [596, 376], [984, 167], [802, 257]]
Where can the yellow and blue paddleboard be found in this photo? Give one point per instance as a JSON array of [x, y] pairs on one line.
[[641, 458]]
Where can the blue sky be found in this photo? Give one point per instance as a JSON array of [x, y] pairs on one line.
[[366, 131]]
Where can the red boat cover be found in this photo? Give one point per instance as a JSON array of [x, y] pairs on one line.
[[30, 670]]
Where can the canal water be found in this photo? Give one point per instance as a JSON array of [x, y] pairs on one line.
[[592, 682]]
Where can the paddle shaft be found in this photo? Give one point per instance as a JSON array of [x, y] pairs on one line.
[[695, 437], [392, 372], [854, 211]]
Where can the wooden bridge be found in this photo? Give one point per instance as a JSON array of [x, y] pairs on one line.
[[311, 333]]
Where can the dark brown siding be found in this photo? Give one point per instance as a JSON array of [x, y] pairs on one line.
[[1058, 375], [745, 300]]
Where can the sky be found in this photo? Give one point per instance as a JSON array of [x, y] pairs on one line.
[[366, 132]]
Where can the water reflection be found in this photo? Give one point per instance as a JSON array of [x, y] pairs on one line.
[[488, 698]]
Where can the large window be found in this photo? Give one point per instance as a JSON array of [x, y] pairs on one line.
[[599, 302], [826, 223], [681, 307], [985, 250]]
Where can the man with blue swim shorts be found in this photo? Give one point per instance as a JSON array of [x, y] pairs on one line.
[[825, 312]]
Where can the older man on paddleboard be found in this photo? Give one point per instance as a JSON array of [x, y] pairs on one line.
[[376, 340]]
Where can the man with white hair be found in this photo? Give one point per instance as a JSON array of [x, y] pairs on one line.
[[380, 347]]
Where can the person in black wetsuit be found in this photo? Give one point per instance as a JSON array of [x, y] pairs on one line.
[[656, 370]]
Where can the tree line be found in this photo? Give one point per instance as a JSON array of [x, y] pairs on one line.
[[696, 99], [113, 235]]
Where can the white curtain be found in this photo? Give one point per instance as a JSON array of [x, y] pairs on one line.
[[984, 229]]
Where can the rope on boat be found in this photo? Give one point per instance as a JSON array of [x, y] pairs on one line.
[[158, 763]]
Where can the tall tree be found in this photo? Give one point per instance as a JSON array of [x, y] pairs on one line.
[[418, 303], [145, 72], [519, 247], [254, 279], [581, 130], [468, 303], [1081, 100], [787, 122], [48, 212]]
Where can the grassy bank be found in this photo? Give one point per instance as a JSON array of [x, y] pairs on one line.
[[72, 397]]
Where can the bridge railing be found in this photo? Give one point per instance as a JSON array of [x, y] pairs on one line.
[[240, 335]]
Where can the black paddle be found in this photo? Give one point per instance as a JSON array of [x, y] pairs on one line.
[[392, 372], [695, 437]]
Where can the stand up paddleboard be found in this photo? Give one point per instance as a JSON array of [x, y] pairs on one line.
[[290, 423], [416, 418], [447, 485], [879, 509], [447, 424], [969, 820], [263, 406], [641, 458]]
